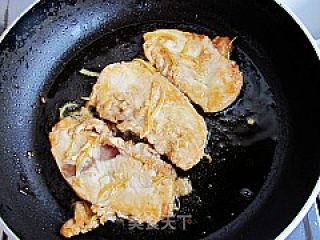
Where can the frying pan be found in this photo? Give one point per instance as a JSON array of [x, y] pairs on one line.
[[263, 176]]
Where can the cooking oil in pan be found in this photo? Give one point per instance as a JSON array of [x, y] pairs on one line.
[[241, 140]]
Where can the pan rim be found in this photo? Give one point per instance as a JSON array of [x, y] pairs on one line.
[[4, 227], [316, 190], [9, 232]]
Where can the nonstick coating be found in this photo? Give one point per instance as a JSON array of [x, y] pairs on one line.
[[261, 175]]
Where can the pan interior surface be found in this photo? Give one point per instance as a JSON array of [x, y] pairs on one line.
[[235, 196], [221, 189]]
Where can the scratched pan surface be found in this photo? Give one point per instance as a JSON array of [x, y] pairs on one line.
[[261, 174]]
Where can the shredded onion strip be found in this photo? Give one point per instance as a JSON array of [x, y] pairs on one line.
[[146, 64], [89, 73], [208, 156], [65, 107]]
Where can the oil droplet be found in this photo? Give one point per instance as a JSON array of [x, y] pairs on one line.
[[24, 191], [221, 145], [250, 121], [246, 193], [38, 170], [203, 234], [23, 178], [30, 154], [198, 200], [43, 100]]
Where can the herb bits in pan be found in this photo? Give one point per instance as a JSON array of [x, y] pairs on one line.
[[122, 178]]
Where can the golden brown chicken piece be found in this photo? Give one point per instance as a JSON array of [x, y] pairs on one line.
[[118, 178], [84, 220], [137, 98], [198, 66]]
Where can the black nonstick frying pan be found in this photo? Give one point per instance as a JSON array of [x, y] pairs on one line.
[[262, 175]]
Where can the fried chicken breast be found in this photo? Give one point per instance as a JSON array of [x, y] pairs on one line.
[[138, 99], [198, 66], [117, 178]]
